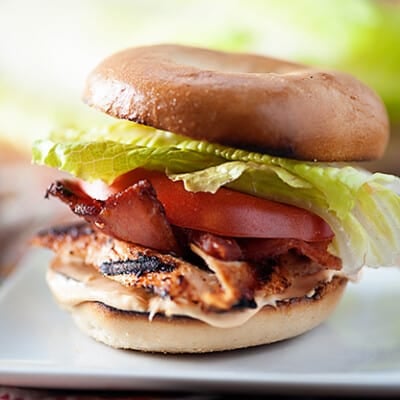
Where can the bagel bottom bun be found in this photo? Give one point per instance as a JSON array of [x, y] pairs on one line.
[[134, 330]]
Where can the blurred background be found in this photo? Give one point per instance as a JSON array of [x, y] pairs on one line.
[[48, 47]]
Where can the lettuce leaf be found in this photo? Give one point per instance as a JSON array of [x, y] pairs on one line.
[[362, 209]]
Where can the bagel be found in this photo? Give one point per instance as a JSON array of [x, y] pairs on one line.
[[242, 100]]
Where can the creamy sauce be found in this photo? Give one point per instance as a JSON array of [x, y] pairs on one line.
[[76, 283]]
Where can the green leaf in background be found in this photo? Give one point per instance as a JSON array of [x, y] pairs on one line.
[[360, 37]]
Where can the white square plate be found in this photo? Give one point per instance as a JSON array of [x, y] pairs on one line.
[[357, 351]]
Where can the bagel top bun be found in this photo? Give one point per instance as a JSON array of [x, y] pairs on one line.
[[242, 100]]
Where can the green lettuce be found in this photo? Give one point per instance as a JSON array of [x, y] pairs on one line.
[[362, 209]]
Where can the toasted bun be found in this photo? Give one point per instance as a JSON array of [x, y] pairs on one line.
[[130, 330], [244, 101]]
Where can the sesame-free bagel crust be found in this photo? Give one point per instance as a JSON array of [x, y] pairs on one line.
[[243, 100]]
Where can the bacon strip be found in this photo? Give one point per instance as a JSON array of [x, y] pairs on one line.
[[134, 215], [257, 250], [226, 249]]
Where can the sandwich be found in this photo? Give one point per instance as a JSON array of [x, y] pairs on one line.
[[219, 209]]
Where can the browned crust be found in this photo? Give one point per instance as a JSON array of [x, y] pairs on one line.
[[244, 101], [133, 330]]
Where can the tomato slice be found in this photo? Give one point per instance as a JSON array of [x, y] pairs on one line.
[[228, 212]]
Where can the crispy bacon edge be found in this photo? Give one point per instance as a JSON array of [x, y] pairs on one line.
[[133, 215]]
